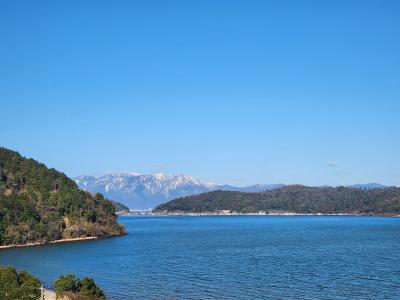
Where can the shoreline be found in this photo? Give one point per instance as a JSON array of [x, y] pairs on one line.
[[50, 243], [228, 214]]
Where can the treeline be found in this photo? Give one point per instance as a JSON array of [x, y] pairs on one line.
[[119, 207], [18, 286], [295, 198], [38, 204], [78, 289], [23, 286]]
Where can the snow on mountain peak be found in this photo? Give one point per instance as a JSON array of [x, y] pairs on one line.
[[134, 174], [143, 191]]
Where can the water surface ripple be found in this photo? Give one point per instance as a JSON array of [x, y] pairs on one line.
[[247, 257]]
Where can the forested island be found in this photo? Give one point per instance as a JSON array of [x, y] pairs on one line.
[[295, 199], [41, 205]]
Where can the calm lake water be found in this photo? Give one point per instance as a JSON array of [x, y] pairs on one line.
[[257, 257]]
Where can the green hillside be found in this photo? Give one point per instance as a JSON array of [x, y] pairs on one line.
[[296, 199], [120, 208], [38, 204]]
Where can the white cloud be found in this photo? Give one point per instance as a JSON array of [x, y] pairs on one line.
[[333, 164]]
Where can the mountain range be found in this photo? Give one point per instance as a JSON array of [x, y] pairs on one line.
[[138, 191]]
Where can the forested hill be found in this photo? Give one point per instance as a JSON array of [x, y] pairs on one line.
[[120, 208], [295, 199], [38, 204]]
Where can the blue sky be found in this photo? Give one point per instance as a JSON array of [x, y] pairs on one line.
[[237, 92]]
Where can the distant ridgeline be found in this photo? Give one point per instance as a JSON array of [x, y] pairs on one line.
[[39, 205], [293, 199]]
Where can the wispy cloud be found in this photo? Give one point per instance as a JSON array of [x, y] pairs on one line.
[[333, 164]]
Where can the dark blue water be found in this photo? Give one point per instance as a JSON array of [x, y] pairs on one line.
[[232, 258]]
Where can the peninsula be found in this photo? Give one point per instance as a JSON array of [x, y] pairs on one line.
[[290, 200], [39, 205]]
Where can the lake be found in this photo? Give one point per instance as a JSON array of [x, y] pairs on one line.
[[232, 257]]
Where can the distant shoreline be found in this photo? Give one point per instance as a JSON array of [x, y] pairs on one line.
[[49, 243], [193, 214]]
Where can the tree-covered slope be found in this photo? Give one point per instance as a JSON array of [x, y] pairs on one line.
[[18, 285], [296, 199], [120, 208], [38, 204]]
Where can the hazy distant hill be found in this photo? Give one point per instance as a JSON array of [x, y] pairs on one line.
[[296, 199], [147, 191], [38, 204], [368, 186]]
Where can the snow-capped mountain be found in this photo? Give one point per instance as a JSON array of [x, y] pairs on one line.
[[147, 191]]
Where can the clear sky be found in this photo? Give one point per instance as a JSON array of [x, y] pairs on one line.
[[237, 92]]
